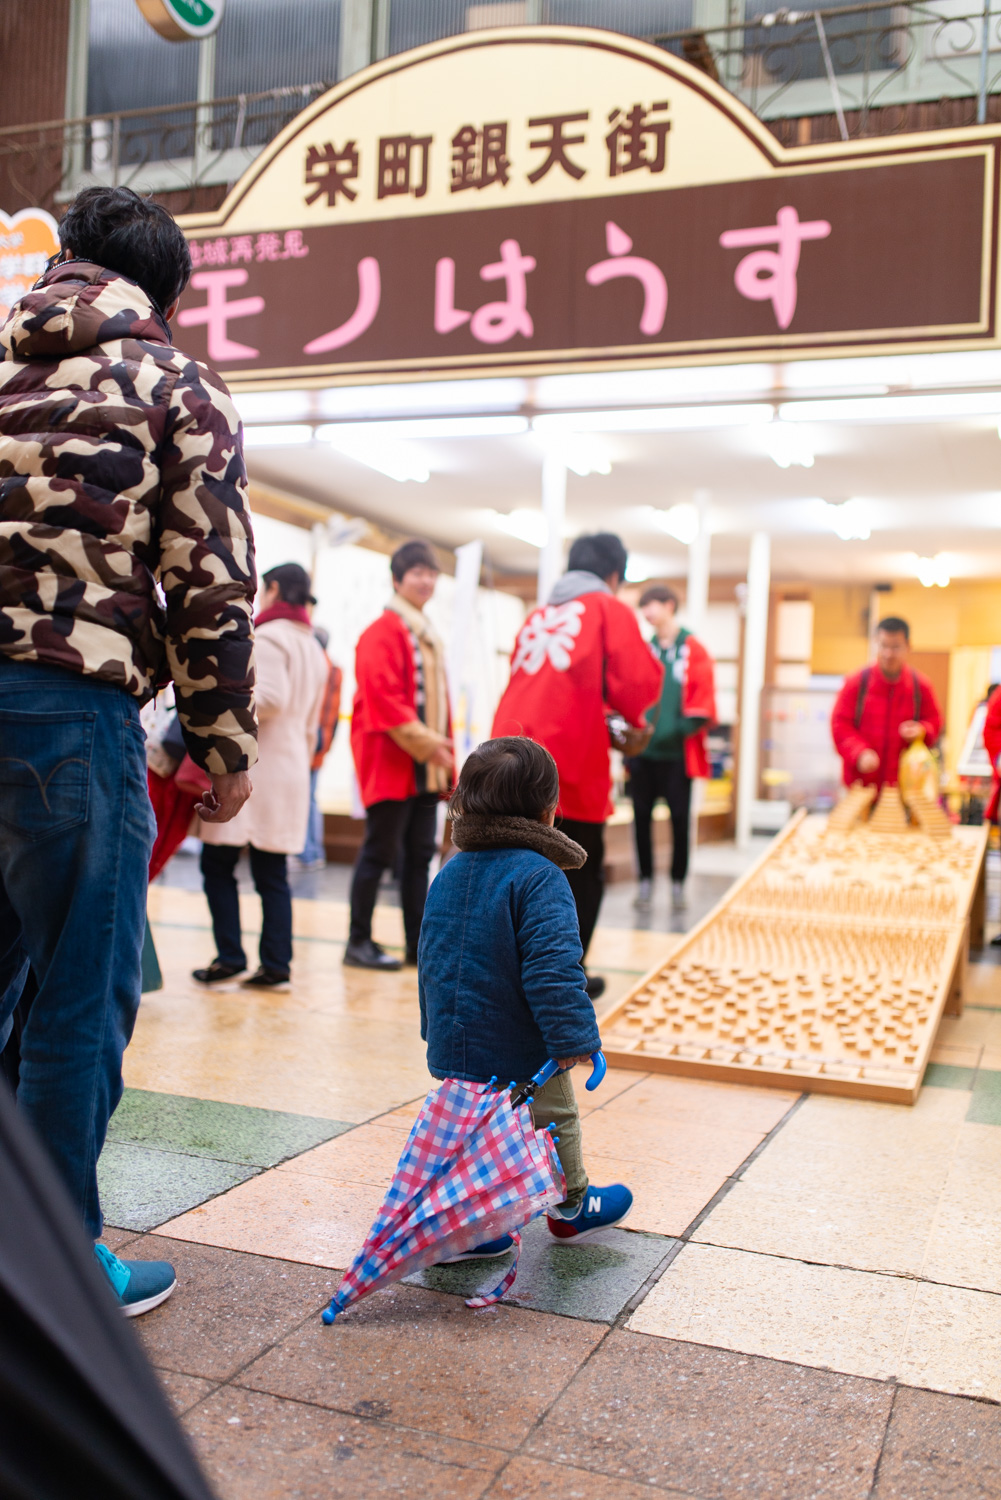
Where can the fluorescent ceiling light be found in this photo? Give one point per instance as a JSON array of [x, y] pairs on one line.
[[431, 427], [423, 396], [654, 419], [396, 460], [894, 408], [274, 406], [651, 385], [849, 520], [933, 571], [527, 525], [788, 445], [288, 433], [680, 521]]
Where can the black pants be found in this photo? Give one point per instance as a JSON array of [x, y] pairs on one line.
[[396, 833], [649, 780], [588, 883], [270, 874]]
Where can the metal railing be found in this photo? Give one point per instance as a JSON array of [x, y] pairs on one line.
[[851, 61], [176, 149], [870, 68]]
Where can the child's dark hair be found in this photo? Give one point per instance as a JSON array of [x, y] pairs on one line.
[[507, 778]]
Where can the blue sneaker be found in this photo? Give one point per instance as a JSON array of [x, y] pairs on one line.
[[138, 1285], [600, 1208], [489, 1250]]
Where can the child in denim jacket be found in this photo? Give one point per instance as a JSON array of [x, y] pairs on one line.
[[501, 983]]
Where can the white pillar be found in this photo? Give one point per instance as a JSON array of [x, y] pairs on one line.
[[752, 681], [697, 597], [357, 34], [554, 509]]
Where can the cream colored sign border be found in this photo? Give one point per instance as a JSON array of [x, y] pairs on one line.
[[744, 129]]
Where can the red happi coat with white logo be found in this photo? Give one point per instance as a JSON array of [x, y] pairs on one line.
[[571, 662]]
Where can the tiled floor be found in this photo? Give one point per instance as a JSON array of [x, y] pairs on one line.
[[806, 1301]]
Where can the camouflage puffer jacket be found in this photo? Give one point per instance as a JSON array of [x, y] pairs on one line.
[[125, 544]]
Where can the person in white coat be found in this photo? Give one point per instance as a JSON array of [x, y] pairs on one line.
[[292, 671]]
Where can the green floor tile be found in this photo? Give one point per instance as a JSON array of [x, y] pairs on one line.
[[141, 1188], [985, 1106], [945, 1076], [225, 1132], [594, 1280]]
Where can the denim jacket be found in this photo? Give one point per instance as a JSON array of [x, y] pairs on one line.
[[501, 983]]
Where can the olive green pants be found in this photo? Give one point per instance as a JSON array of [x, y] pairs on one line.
[[554, 1104]]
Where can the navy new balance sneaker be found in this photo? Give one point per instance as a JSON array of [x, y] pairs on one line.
[[138, 1285], [600, 1208], [489, 1250]]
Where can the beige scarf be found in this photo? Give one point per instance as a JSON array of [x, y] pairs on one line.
[[435, 681]]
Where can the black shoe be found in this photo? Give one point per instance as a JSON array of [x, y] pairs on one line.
[[595, 986], [266, 979], [217, 971], [368, 955]]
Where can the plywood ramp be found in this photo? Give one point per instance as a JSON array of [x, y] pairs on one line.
[[826, 967]]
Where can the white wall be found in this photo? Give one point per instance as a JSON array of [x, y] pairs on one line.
[[352, 585]]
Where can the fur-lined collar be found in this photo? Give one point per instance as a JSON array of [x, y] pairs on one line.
[[475, 831]]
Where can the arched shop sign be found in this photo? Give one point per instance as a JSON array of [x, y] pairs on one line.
[[542, 199]]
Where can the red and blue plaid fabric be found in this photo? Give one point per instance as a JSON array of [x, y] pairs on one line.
[[472, 1170]]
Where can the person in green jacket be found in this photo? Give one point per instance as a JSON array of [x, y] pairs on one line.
[[676, 753]]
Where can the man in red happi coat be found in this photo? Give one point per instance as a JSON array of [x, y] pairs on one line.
[[576, 657], [881, 709], [401, 741]]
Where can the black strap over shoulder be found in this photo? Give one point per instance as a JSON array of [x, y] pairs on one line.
[[863, 688]]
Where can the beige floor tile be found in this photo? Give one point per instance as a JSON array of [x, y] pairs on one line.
[[617, 1081], [968, 1055], [972, 1028], [826, 1225], [954, 1342], [665, 1199], [288, 1215], [716, 1105], [962, 1248], [880, 1128], [983, 984], [757, 1304], [624, 948], [368, 1154], [991, 1058]]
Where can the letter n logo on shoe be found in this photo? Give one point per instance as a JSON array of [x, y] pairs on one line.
[[594, 1204]]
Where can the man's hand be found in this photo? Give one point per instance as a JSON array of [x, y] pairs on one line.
[[566, 1063], [225, 798], [910, 729], [442, 757], [868, 761]]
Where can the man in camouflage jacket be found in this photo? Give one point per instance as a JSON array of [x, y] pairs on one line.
[[126, 559]]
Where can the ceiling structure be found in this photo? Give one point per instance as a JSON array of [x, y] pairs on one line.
[[861, 470]]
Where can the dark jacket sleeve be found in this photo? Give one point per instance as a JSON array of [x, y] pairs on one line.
[[207, 572], [551, 972]]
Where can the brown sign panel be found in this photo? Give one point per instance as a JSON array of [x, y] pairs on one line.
[[360, 250]]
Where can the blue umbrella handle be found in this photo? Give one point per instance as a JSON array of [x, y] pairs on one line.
[[599, 1068]]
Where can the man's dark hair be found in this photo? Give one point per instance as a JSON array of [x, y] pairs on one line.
[[658, 593], [602, 553], [894, 625], [293, 583], [507, 778], [113, 227], [413, 555]]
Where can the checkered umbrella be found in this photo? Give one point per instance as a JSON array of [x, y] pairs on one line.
[[473, 1169]]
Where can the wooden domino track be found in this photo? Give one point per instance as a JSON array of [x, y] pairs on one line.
[[826, 967]]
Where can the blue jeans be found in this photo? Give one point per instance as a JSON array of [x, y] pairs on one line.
[[76, 830], [313, 849]]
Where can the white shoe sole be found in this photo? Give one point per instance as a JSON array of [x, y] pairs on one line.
[[454, 1260], [585, 1234], [135, 1309]]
